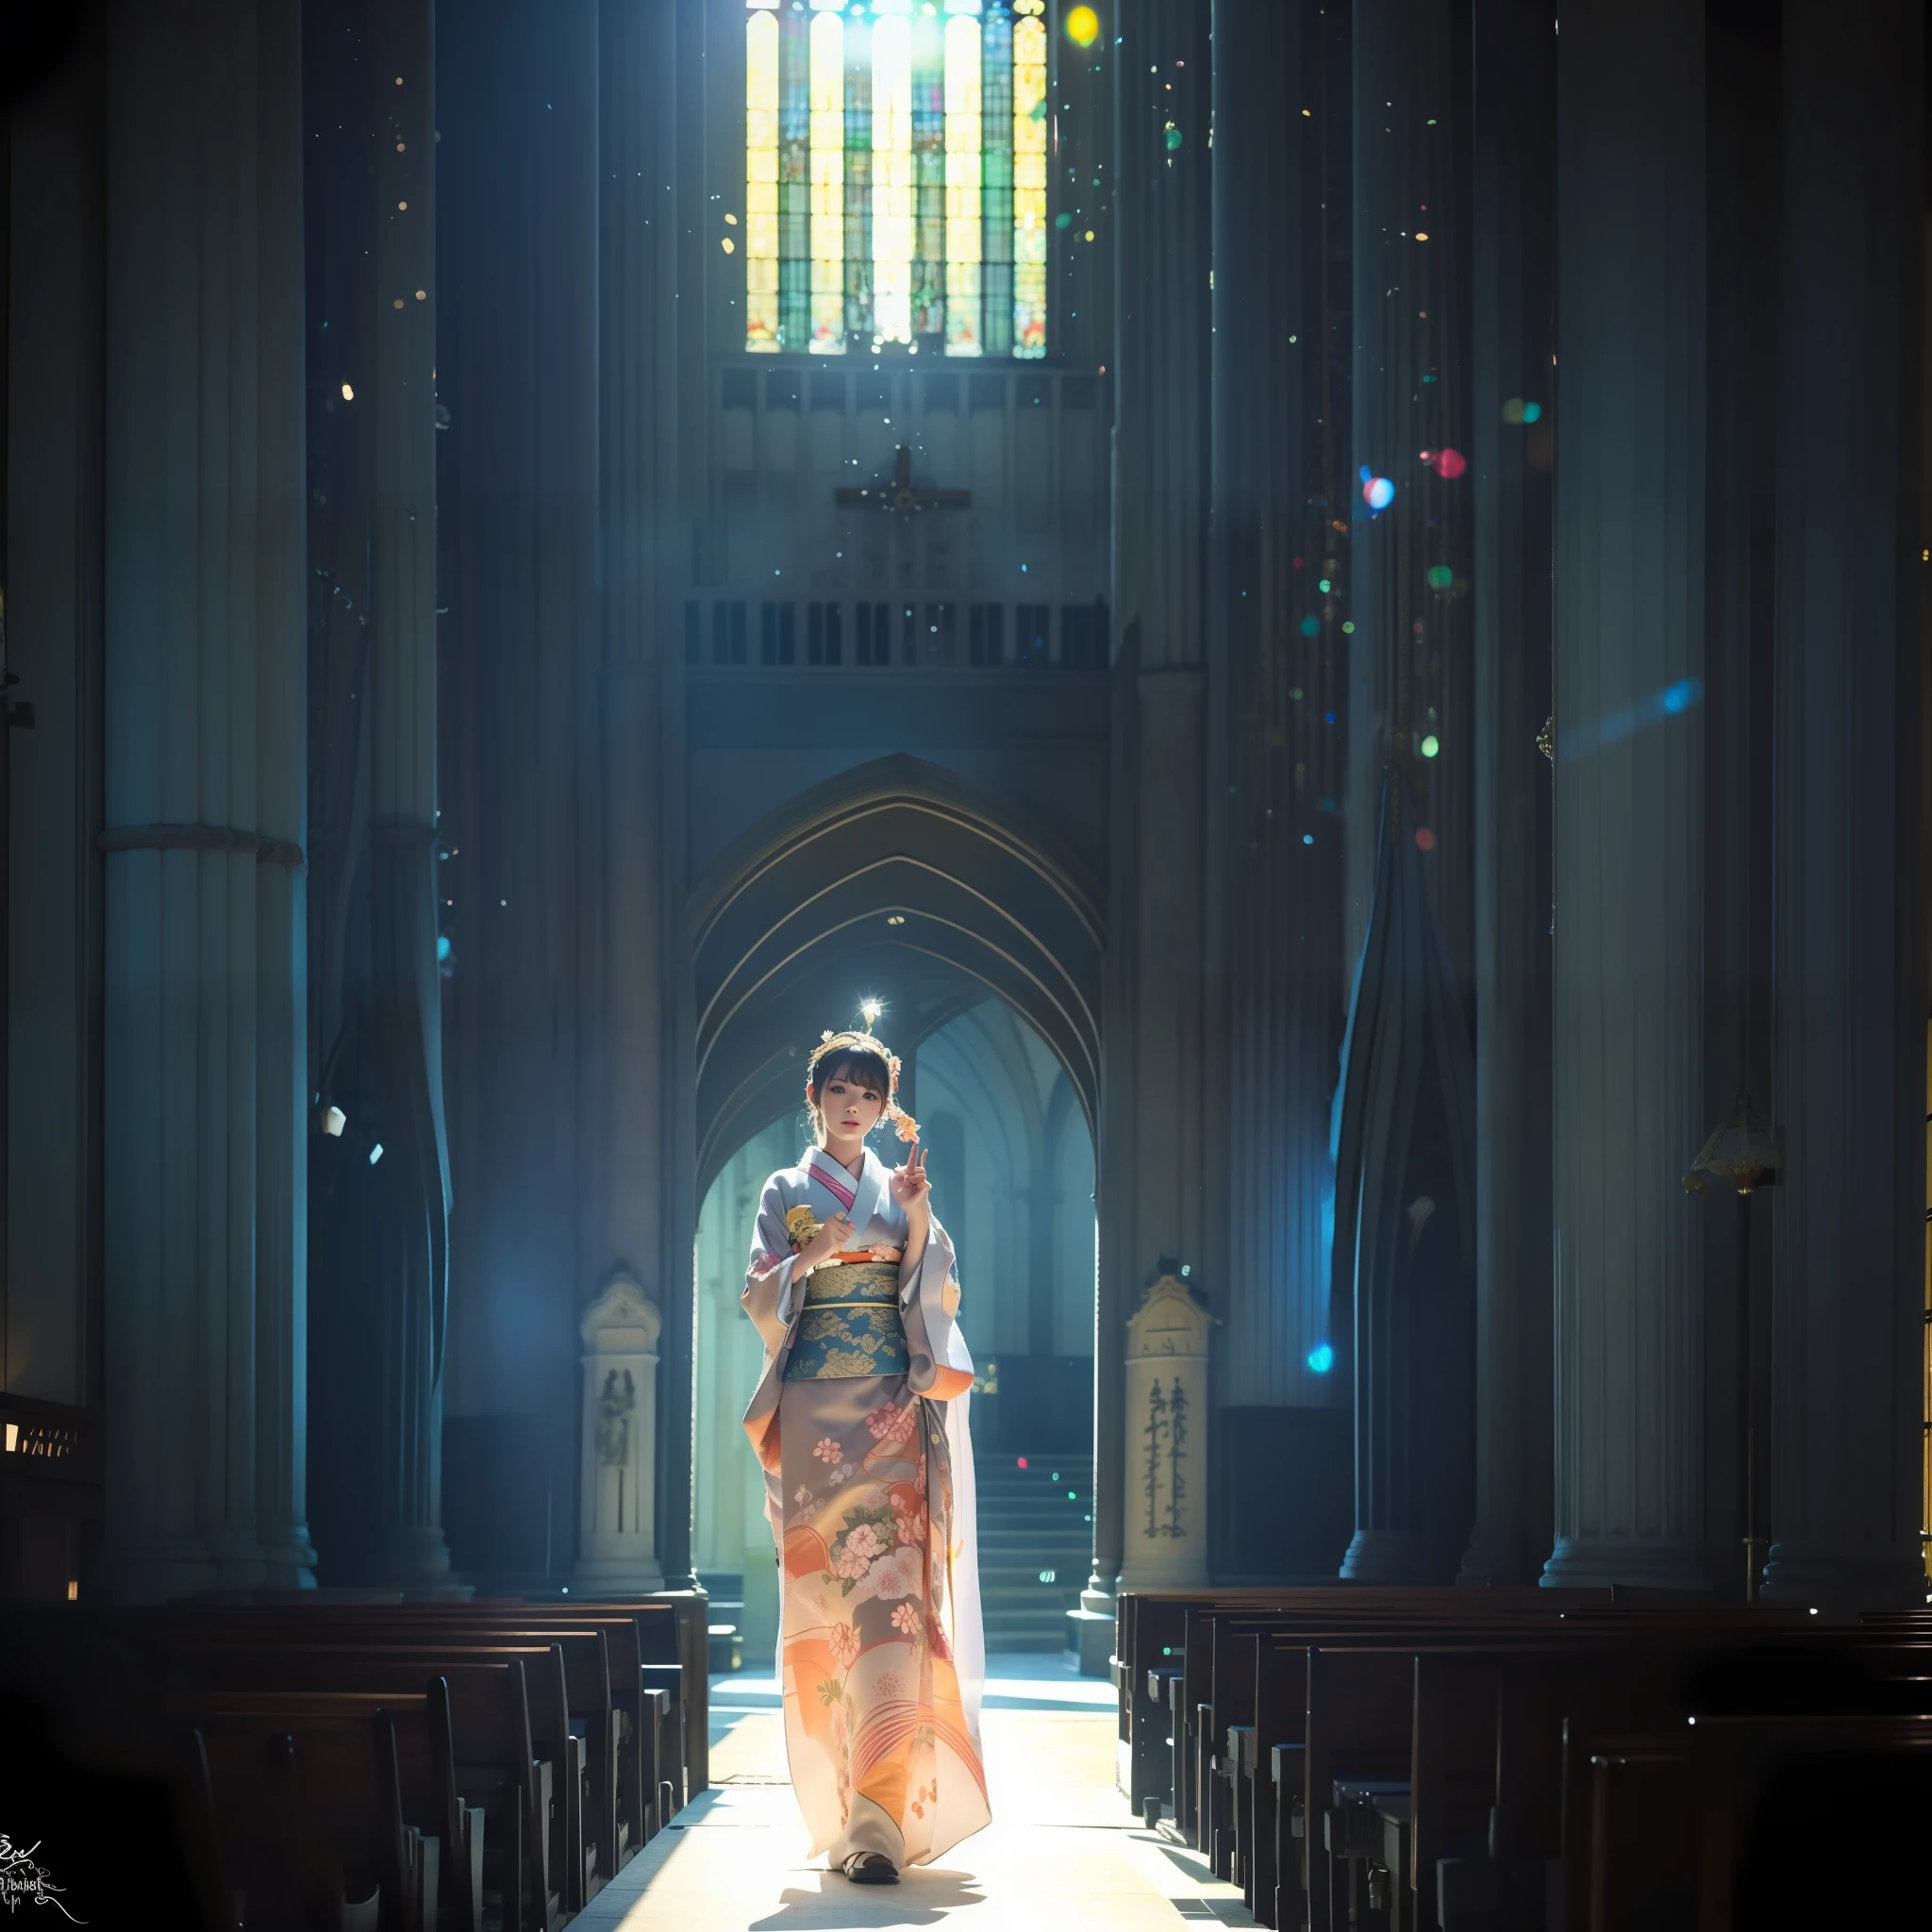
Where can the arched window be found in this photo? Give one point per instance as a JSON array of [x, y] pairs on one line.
[[895, 176]]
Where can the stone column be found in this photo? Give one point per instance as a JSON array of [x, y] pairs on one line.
[[1513, 334], [409, 1303], [282, 1092], [202, 1033], [616, 1533], [1850, 1001], [1276, 760], [1629, 775], [644, 1208], [1407, 564], [1153, 1113], [1164, 1446]]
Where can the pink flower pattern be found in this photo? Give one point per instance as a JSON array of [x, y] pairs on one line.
[[892, 1423], [825, 1449], [896, 1574], [844, 1645], [907, 1619], [908, 1521], [862, 1543]]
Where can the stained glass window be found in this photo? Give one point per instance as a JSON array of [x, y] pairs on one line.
[[895, 176]]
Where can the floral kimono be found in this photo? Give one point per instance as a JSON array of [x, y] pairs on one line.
[[860, 1421]]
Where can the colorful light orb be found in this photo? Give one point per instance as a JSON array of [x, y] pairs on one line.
[[1082, 25], [1440, 576], [1449, 463], [1430, 745], [1378, 493], [1321, 1358], [1307, 838], [1425, 839], [1512, 409], [1311, 627], [1173, 136], [1531, 411]]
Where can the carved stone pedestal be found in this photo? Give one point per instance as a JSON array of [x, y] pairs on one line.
[[1166, 1423], [617, 1553]]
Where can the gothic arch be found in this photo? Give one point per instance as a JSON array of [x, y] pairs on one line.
[[899, 877]]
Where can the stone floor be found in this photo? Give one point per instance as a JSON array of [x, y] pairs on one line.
[[1062, 1852]]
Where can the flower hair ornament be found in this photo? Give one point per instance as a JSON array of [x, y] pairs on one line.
[[903, 1124]]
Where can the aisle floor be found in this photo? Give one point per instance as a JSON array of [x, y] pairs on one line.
[[1063, 1851]]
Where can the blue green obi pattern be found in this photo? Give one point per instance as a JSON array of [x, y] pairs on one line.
[[850, 1324]]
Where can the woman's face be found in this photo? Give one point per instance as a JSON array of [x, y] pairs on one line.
[[850, 1108]]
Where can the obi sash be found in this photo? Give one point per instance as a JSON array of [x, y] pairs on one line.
[[850, 1324]]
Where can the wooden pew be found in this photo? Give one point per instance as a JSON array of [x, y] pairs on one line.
[[509, 1724], [664, 1643], [275, 1876], [1447, 1763], [315, 1788], [494, 1767], [1458, 1789]]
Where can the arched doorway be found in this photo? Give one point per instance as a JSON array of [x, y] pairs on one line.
[[901, 880], [982, 936]]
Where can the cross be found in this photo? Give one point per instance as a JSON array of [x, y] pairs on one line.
[[899, 493]]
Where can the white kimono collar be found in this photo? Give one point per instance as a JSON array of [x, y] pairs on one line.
[[859, 1200]]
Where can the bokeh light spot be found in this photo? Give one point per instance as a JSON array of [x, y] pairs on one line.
[[1449, 463], [1311, 627], [1083, 26], [1378, 493], [1440, 576], [1321, 1357], [1430, 745], [1425, 839]]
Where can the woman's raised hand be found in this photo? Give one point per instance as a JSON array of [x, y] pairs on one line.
[[910, 1186]]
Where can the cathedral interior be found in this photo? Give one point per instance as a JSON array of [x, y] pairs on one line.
[[1317, 608]]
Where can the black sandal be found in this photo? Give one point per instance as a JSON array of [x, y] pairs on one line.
[[870, 1867]]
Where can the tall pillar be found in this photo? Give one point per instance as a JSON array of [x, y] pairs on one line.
[[1276, 771], [203, 1062], [1848, 1235], [530, 711], [1407, 564], [282, 1092], [1627, 1082], [1153, 1111], [409, 1247], [1513, 334], [645, 1208]]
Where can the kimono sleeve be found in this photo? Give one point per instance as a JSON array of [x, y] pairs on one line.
[[769, 1273], [941, 1366]]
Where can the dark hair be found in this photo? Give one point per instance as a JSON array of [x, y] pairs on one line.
[[859, 1065]]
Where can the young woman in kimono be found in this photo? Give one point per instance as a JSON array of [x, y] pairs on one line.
[[860, 1421]]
